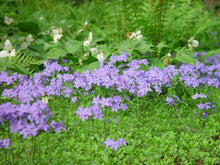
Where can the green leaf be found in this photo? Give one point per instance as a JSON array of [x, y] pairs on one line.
[[55, 53], [89, 67], [142, 46], [162, 45], [185, 56], [127, 46], [30, 27], [107, 50], [73, 46], [37, 48], [155, 62], [213, 52]]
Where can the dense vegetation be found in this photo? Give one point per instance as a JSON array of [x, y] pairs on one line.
[[109, 82]]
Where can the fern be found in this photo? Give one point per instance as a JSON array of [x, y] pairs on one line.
[[25, 64]]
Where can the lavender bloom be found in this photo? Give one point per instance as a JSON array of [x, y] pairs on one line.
[[198, 96], [73, 99], [83, 113], [204, 106], [5, 143], [169, 100], [57, 126], [114, 144], [204, 115]]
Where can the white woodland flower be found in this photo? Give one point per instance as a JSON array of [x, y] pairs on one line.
[[8, 20], [136, 36], [87, 42], [26, 41], [192, 43], [56, 33], [9, 51]]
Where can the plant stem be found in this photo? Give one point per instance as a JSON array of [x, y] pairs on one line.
[[183, 122]]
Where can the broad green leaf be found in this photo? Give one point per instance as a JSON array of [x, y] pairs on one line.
[[55, 53], [30, 27], [37, 48], [73, 46], [142, 46], [155, 62], [106, 49], [89, 67], [213, 52], [185, 58], [127, 46]]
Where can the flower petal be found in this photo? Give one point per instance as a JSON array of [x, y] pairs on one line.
[[90, 36], [13, 53], [8, 45], [94, 50], [195, 43], [4, 53]]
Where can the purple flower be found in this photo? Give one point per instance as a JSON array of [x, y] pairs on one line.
[[108, 142], [5, 143], [198, 96], [73, 99], [57, 126], [114, 144], [204, 115], [169, 100]]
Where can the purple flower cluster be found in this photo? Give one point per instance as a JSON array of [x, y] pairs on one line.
[[27, 119], [199, 96], [115, 103], [114, 144], [205, 106], [5, 143], [170, 100], [212, 60]]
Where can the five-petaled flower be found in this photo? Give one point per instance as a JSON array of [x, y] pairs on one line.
[[56, 33], [9, 51], [8, 20], [136, 36]]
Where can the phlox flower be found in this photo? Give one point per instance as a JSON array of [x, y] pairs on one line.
[[114, 144], [9, 51], [5, 143], [56, 33], [169, 100], [198, 96], [88, 42], [8, 20]]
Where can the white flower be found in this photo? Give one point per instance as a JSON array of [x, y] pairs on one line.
[[100, 56], [136, 36], [29, 38], [44, 100], [8, 20], [41, 18], [94, 50], [56, 33], [86, 25], [100, 53], [8, 50], [26, 41], [87, 42], [192, 43]]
